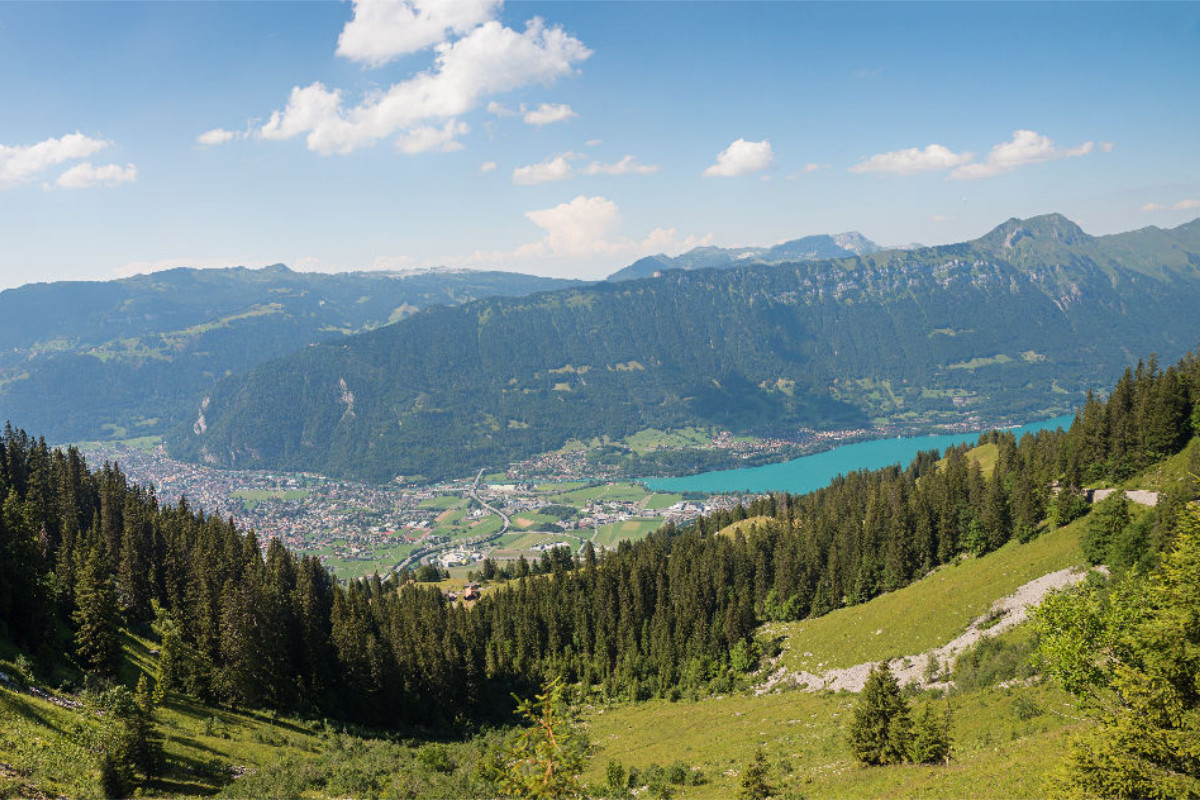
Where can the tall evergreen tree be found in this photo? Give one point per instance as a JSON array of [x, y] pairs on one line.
[[881, 730], [97, 617]]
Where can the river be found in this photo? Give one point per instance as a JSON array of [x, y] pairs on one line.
[[809, 473]]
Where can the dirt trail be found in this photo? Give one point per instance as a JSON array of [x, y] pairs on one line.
[[1005, 613]]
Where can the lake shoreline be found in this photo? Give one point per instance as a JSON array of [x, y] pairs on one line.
[[816, 469]]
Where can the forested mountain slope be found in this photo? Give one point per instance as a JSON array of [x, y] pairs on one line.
[[89, 360], [1015, 325]]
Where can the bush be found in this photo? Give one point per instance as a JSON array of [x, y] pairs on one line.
[[991, 661]]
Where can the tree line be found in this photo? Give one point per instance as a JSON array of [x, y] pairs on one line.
[[84, 552]]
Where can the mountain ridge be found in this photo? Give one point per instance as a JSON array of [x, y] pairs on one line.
[[806, 248], [918, 336]]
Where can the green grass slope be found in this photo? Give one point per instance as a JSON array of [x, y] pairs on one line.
[[928, 613]]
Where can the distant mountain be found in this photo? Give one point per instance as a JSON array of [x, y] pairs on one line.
[[1013, 326], [810, 248], [93, 360]]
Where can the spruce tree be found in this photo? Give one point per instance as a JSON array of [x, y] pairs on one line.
[[931, 737], [96, 617], [881, 731], [754, 785]]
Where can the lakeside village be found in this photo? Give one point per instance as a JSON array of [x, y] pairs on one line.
[[357, 528]]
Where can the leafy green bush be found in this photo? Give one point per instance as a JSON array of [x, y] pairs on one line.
[[991, 661]]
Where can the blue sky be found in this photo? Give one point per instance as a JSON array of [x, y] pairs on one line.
[[570, 138]]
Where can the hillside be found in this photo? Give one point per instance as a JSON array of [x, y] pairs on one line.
[[1017, 325], [129, 357], [103, 588]]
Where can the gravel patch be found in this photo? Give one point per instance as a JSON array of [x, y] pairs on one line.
[[1005, 614]]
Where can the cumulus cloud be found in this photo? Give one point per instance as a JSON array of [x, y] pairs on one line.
[[559, 167], [549, 113], [426, 139], [487, 167], [594, 142], [554, 168], [382, 30], [742, 158], [1183, 205], [21, 164], [583, 236], [1025, 147], [913, 160], [217, 136], [626, 166], [85, 175], [488, 60]]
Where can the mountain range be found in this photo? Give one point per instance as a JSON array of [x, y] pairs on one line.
[[809, 248], [1018, 324], [95, 360]]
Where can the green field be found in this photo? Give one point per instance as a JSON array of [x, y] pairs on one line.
[[525, 541], [661, 500], [652, 439], [981, 361], [382, 562], [443, 502], [925, 614], [610, 491], [530, 519], [997, 753], [560, 486], [633, 530]]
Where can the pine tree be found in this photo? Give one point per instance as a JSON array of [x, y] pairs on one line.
[[96, 616], [543, 760], [881, 731], [754, 784], [931, 737]]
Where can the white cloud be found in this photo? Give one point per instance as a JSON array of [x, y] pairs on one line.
[[21, 164], [1025, 147], [489, 60], [559, 167], [626, 166], [1107, 146], [808, 168], [582, 236], [216, 136], [500, 110], [913, 160], [554, 168], [742, 158], [939, 218], [425, 139], [549, 113], [382, 30], [487, 167], [85, 175], [1182, 205], [594, 142]]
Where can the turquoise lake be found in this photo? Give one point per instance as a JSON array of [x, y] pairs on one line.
[[809, 473]]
